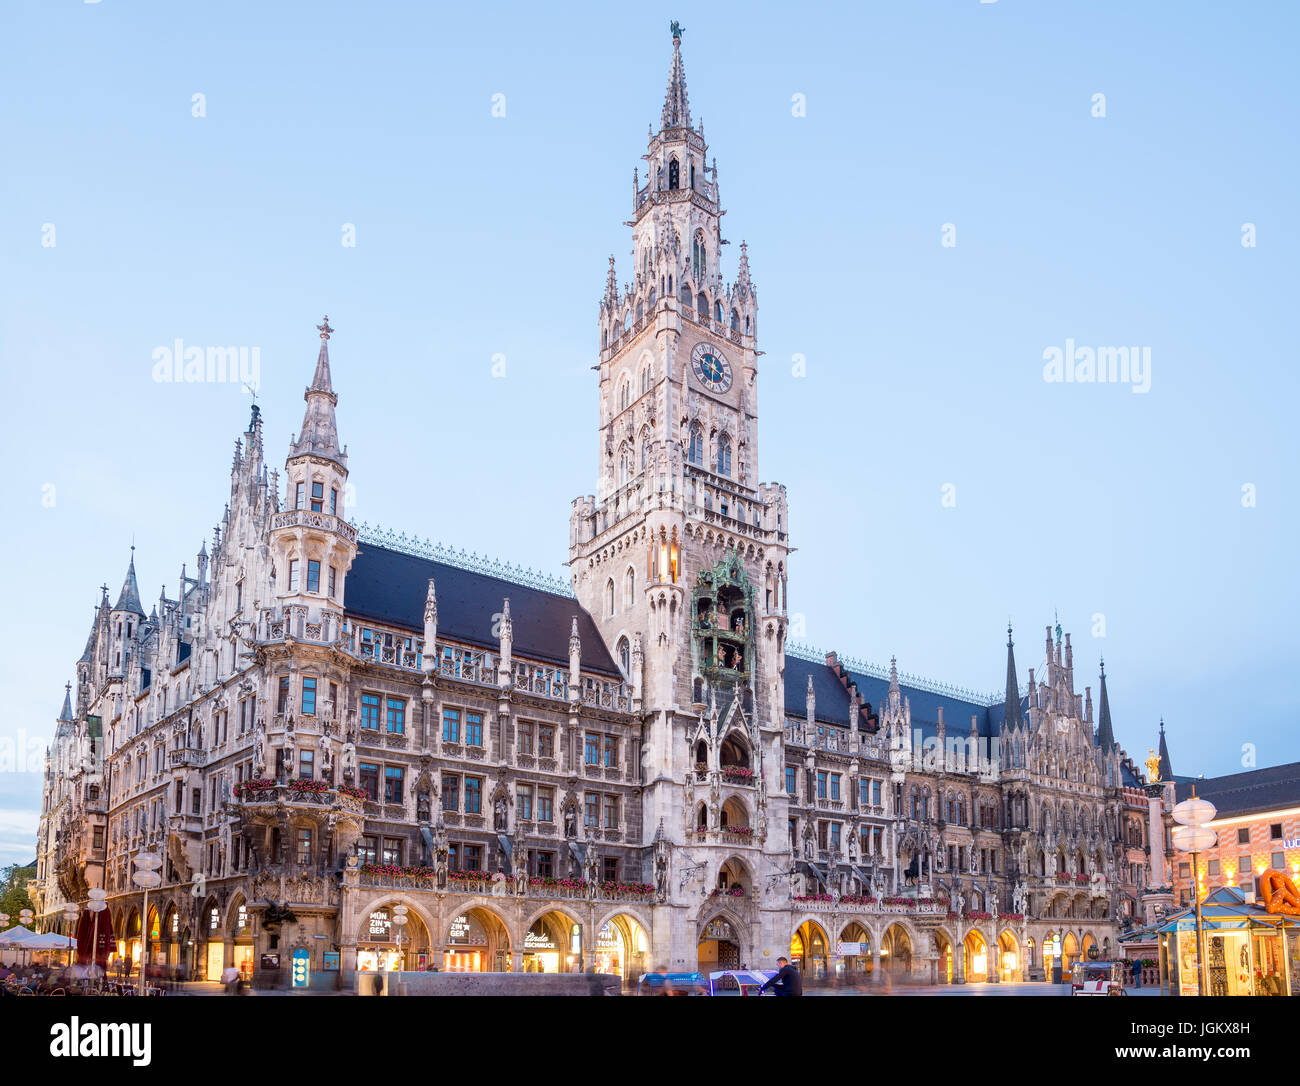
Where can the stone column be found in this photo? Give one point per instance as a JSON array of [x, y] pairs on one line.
[[1156, 834], [877, 972], [959, 963], [516, 959], [995, 960]]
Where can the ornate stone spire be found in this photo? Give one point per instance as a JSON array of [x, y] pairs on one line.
[[1166, 770], [320, 435], [129, 598], [1105, 734], [677, 110], [1012, 717]]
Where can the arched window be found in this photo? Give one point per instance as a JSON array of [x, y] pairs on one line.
[[625, 657], [609, 597], [684, 294], [629, 588], [701, 304], [624, 466], [695, 450], [698, 262], [624, 394], [735, 321], [692, 175], [646, 372], [724, 455], [640, 310], [674, 174], [717, 311]]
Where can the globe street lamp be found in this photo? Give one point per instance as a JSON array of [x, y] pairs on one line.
[[70, 914], [1194, 836], [400, 919], [25, 917], [96, 905], [146, 877]]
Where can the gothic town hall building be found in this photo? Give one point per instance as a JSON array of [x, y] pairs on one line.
[[327, 729]]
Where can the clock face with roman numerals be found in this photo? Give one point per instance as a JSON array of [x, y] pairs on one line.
[[712, 370]]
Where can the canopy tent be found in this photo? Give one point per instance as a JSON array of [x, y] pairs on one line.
[[16, 936], [49, 941]]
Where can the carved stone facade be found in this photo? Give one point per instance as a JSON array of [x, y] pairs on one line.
[[634, 770]]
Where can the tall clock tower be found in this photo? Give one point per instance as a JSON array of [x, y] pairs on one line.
[[681, 555]]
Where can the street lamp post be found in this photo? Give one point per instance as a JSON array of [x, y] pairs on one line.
[[70, 914], [1194, 836], [96, 905], [25, 917], [400, 920], [146, 877]]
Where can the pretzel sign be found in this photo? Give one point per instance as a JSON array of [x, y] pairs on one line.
[[1279, 893]]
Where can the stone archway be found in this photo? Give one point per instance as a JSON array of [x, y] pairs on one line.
[[552, 942], [896, 951], [853, 954], [810, 950], [1009, 957], [622, 947], [947, 959], [722, 942], [976, 949]]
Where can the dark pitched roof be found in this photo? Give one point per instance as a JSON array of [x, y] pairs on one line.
[[833, 700], [391, 586], [1252, 792], [66, 713]]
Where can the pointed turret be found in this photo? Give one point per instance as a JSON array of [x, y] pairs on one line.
[[128, 599], [1105, 733], [1012, 718], [677, 110], [65, 715], [319, 435], [1166, 770]]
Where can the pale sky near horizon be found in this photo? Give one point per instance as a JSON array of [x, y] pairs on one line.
[[480, 236]]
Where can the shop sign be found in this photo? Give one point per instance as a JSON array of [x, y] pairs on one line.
[[465, 929], [849, 950], [330, 961], [534, 941], [301, 961], [380, 925], [270, 961], [608, 938]]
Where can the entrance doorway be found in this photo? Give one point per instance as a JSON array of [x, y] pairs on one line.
[[718, 947]]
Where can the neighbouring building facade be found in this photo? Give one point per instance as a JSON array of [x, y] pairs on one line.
[[354, 751]]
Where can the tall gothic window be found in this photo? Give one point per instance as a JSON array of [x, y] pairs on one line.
[[674, 174], [698, 263], [624, 466], [629, 588], [609, 597], [624, 395], [724, 455], [645, 378], [695, 450], [624, 656]]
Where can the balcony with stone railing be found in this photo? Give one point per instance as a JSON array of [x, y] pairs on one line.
[[186, 758], [305, 518], [308, 796]]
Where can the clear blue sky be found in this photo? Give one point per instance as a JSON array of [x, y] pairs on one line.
[[480, 235]]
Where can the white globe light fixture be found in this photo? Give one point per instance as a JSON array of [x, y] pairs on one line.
[[1195, 836], [147, 878]]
